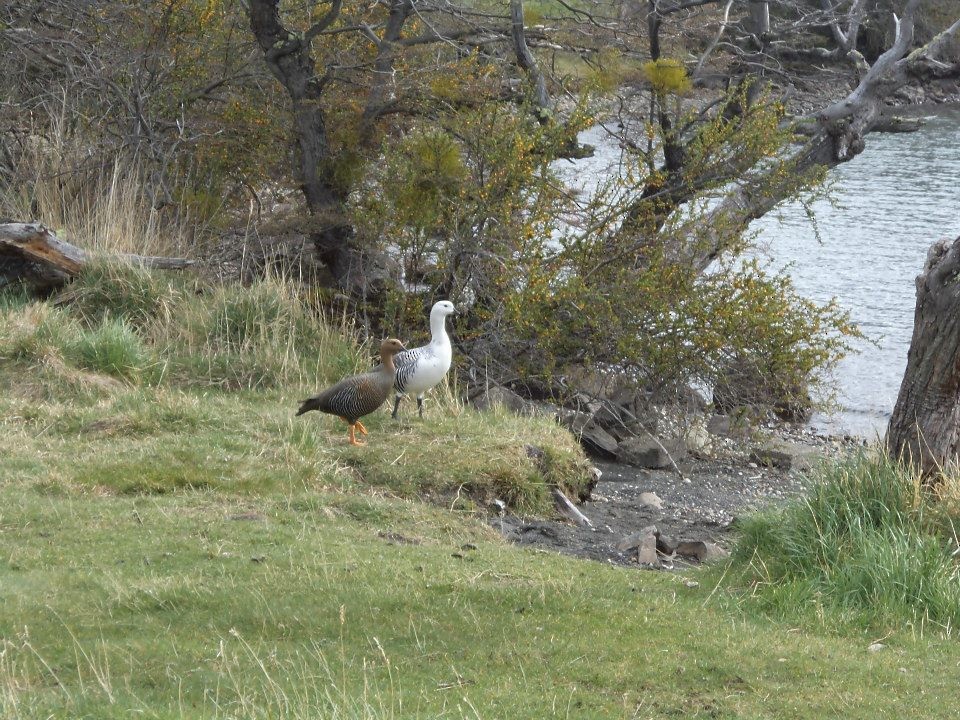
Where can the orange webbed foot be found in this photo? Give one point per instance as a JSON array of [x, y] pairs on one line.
[[353, 438]]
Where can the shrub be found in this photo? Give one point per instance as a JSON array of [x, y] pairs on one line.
[[868, 543]]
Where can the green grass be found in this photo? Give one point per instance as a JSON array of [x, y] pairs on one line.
[[180, 546], [870, 547], [145, 385], [326, 603]]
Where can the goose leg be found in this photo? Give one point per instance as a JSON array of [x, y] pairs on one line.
[[396, 407], [360, 427], [420, 405], [353, 437]]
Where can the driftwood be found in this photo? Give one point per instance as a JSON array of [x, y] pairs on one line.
[[566, 506], [34, 255]]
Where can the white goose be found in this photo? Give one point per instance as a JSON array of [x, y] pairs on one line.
[[421, 368]]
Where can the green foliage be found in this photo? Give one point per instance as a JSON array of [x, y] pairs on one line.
[[424, 178], [468, 202], [608, 70], [13, 299], [477, 209], [868, 547], [667, 76]]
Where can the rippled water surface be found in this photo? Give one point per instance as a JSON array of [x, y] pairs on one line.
[[894, 200]]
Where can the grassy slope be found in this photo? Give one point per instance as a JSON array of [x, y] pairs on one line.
[[176, 548], [209, 604]]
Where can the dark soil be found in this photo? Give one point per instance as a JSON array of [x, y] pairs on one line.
[[704, 505]]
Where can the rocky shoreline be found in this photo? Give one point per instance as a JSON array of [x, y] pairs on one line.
[[628, 505]]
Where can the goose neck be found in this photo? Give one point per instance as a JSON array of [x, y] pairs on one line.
[[438, 329], [387, 360]]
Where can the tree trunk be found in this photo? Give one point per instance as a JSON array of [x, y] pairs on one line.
[[528, 63], [760, 18], [924, 429], [288, 56], [382, 93]]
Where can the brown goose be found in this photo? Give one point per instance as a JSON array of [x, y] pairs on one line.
[[358, 395]]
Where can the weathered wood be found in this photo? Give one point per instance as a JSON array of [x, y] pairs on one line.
[[835, 135], [566, 506], [33, 241], [924, 429], [33, 254]]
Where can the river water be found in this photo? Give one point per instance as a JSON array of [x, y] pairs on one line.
[[891, 203], [894, 200]]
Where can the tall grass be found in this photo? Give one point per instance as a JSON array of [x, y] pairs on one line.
[[100, 202], [147, 328], [253, 682], [870, 546]]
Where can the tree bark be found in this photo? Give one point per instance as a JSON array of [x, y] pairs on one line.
[[382, 93], [759, 18], [924, 429], [289, 58], [528, 63]]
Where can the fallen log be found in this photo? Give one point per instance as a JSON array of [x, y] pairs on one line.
[[34, 255]]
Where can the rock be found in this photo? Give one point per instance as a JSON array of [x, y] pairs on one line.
[[499, 395], [697, 439], [665, 546], [635, 540], [910, 95], [589, 381], [593, 437], [728, 426], [651, 499], [613, 420], [628, 397], [645, 543], [702, 551], [647, 552], [785, 455], [648, 453], [875, 647], [598, 440]]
